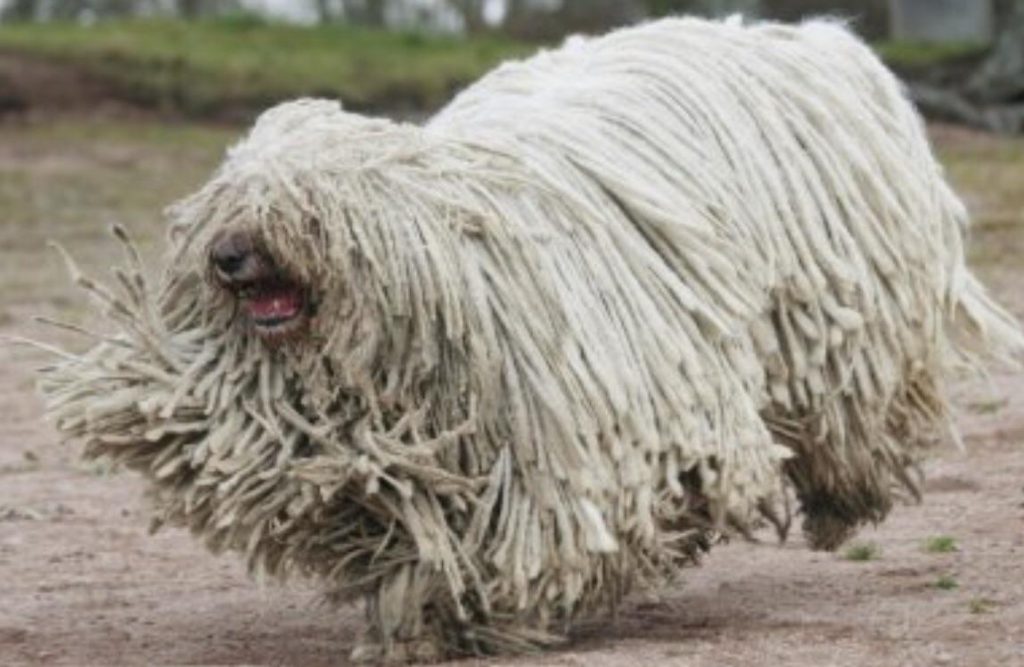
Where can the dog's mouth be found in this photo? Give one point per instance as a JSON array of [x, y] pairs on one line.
[[276, 307], [275, 304]]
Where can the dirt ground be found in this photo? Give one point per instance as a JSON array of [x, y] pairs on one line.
[[81, 582]]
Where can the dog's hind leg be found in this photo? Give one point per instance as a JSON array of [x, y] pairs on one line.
[[854, 457]]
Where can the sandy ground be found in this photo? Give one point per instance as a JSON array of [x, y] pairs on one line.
[[81, 582]]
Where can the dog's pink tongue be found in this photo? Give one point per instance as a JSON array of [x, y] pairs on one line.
[[275, 304]]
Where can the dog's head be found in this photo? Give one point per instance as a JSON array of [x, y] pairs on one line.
[[273, 233], [338, 241], [318, 222]]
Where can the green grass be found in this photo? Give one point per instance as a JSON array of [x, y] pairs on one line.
[[940, 544], [946, 582], [206, 67], [863, 552], [981, 605], [918, 55], [988, 407]]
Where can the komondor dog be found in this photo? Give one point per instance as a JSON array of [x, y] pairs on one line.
[[612, 303]]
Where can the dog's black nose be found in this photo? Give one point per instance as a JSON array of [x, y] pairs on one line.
[[231, 253]]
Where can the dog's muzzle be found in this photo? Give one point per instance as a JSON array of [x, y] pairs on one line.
[[276, 305]]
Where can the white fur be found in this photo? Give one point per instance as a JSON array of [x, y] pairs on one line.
[[606, 304]]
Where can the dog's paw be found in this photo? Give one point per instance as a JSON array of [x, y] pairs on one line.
[[423, 650]]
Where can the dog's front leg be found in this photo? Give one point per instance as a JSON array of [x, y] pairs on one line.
[[402, 629]]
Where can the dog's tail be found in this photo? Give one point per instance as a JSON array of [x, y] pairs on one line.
[[982, 329]]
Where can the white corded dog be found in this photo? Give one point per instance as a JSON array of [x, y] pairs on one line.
[[493, 371]]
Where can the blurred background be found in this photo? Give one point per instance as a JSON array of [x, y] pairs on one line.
[[226, 59]]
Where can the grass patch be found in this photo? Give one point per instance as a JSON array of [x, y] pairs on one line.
[[205, 67], [981, 605], [863, 552], [940, 544], [904, 55], [988, 407], [946, 583], [97, 467]]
